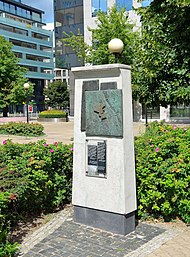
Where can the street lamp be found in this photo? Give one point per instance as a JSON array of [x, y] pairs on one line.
[[115, 47], [26, 87]]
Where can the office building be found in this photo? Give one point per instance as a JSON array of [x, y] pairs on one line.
[[75, 15], [78, 15], [22, 25]]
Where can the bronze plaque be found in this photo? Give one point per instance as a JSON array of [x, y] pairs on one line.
[[89, 85], [104, 113]]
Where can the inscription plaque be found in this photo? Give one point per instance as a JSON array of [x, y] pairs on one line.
[[101, 156], [104, 113], [96, 158], [92, 160]]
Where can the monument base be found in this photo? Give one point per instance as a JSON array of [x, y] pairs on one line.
[[113, 222]]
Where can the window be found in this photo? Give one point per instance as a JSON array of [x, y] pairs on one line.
[[6, 7], [30, 68], [45, 48], [18, 55], [78, 14], [128, 4], [23, 44], [19, 11], [36, 16], [12, 8], [1, 5], [14, 30], [20, 31], [58, 73], [37, 58], [40, 36], [98, 5], [69, 16], [28, 14]]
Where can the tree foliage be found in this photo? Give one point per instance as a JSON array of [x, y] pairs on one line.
[[12, 76], [162, 69], [114, 24], [57, 94]]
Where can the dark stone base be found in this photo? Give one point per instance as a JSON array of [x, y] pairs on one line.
[[113, 222]]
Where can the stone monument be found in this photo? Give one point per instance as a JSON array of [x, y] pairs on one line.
[[104, 186]]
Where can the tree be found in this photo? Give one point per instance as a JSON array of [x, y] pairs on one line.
[[12, 77], [57, 94], [114, 24], [163, 63]]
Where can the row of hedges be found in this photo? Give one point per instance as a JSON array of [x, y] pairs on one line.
[[53, 114], [22, 129], [34, 178], [163, 172]]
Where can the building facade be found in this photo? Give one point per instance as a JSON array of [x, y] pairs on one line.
[[22, 25], [78, 15]]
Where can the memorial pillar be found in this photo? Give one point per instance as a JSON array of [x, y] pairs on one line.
[[104, 186]]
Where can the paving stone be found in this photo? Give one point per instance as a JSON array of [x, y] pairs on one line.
[[73, 239]]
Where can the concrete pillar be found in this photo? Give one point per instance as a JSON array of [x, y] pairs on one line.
[[104, 186]]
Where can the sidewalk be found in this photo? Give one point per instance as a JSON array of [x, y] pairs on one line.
[[54, 132], [62, 237]]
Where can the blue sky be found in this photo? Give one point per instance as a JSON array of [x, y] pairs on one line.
[[44, 5]]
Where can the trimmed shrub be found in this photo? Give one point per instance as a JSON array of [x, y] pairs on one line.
[[22, 129], [6, 248], [53, 114], [163, 172], [34, 178]]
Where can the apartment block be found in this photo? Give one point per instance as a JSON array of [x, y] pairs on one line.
[[22, 25]]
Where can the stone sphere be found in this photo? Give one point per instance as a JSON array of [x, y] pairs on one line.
[[115, 45]]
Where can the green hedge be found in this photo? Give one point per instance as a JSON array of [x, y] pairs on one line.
[[163, 172], [34, 178], [53, 114], [22, 129], [6, 248]]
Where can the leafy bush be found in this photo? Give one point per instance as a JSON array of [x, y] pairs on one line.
[[35, 178], [163, 172], [6, 248], [53, 114], [22, 129]]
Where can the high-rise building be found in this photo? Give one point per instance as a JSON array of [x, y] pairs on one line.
[[75, 15], [22, 25], [78, 15]]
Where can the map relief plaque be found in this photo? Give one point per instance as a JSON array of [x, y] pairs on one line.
[[104, 113]]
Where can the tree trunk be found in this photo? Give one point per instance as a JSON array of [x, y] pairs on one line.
[[5, 111]]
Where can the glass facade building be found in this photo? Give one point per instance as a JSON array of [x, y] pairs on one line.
[[22, 25], [68, 17], [98, 5], [77, 15]]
